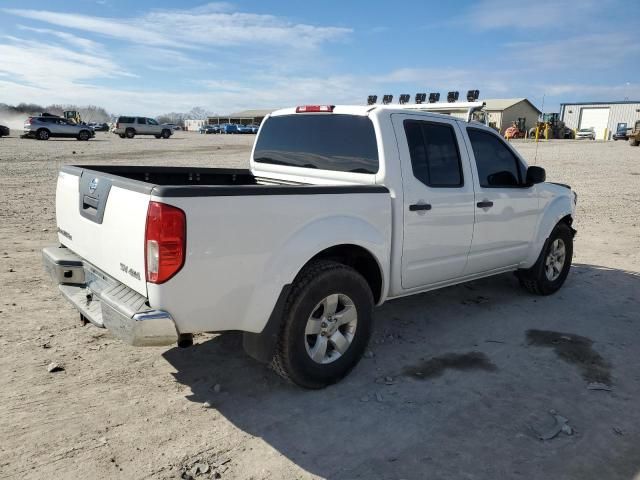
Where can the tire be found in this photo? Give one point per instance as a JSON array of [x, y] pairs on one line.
[[121, 135], [84, 135], [633, 142], [43, 134], [546, 277], [165, 134], [158, 136], [130, 133], [316, 288]]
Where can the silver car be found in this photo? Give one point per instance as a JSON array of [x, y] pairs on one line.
[[586, 133], [46, 127]]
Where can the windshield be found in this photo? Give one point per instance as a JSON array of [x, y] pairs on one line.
[[343, 143]]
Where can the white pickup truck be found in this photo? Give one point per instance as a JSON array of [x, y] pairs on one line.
[[343, 208]]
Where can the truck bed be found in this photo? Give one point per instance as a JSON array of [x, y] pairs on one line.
[[193, 181]]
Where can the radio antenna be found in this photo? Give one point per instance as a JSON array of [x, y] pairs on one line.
[[535, 157]]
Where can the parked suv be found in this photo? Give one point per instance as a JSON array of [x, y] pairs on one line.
[[48, 126], [129, 127]]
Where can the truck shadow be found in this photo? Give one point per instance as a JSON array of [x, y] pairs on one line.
[[447, 387]]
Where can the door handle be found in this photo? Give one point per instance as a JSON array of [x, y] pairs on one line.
[[485, 204], [419, 206]]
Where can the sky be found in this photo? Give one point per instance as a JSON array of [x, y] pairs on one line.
[[148, 58]]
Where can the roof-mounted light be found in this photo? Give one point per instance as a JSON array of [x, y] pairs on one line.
[[452, 96], [315, 108], [387, 99], [472, 95], [434, 97], [404, 98], [372, 99], [421, 98]]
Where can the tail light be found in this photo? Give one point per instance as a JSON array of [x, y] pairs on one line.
[[29, 120], [117, 124], [165, 241], [315, 108]]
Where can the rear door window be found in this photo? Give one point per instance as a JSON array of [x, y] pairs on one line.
[[142, 121], [435, 158], [343, 143], [497, 165]]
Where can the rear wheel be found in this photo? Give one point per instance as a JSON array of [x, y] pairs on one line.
[[42, 134], [327, 324], [130, 133], [550, 271], [165, 134]]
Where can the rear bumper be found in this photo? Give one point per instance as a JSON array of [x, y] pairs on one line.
[[107, 303]]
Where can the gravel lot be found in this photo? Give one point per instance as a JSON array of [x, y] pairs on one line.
[[458, 386]]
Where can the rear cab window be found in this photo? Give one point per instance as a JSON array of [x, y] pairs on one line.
[[336, 142], [435, 158]]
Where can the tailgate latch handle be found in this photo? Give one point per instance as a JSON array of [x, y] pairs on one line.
[[89, 202]]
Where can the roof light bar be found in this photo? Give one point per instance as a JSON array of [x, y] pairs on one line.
[[372, 99], [387, 99], [452, 96], [434, 97], [315, 108], [404, 98], [472, 95], [421, 98]]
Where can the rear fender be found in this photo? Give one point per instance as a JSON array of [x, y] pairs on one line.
[[301, 247], [261, 331]]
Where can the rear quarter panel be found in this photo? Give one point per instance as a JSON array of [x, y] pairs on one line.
[[242, 250]]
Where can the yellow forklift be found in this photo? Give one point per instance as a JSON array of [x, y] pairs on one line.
[[73, 116]]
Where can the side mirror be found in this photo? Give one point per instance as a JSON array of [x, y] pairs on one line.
[[535, 175]]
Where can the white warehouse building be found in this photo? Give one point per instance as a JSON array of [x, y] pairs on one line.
[[606, 118]]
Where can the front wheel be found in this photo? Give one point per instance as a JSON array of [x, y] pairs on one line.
[[326, 326], [165, 134], [550, 271], [83, 135]]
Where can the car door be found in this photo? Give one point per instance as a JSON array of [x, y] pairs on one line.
[[153, 126], [506, 209], [65, 129], [141, 126], [438, 196]]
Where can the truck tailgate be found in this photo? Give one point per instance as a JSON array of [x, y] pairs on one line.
[[103, 221]]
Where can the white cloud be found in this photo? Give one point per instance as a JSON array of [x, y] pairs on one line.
[[39, 63], [583, 52], [492, 14], [73, 40], [195, 28]]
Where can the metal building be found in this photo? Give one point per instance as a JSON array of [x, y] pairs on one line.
[[606, 118], [503, 112], [245, 117]]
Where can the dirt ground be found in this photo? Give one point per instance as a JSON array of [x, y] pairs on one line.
[[459, 383]]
